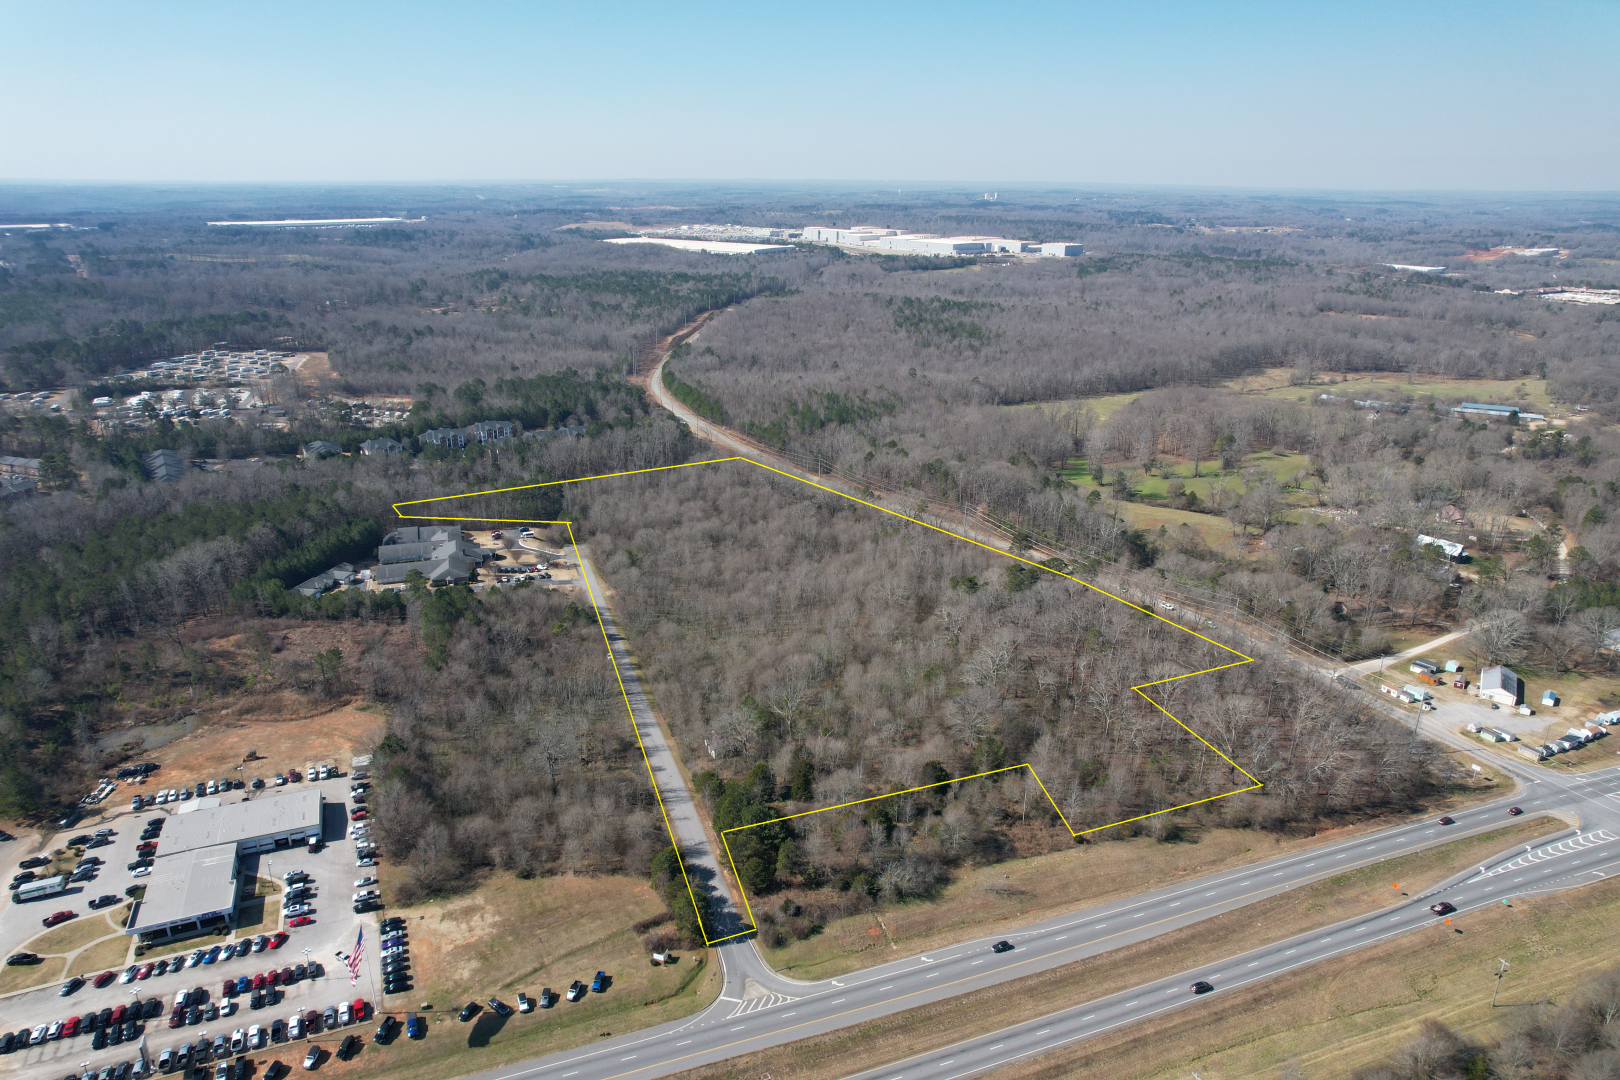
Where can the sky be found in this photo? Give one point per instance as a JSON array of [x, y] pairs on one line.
[[1408, 95]]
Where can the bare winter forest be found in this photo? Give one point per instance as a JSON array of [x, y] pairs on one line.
[[811, 652], [807, 651]]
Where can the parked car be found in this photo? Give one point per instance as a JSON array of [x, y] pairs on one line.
[[329, 1018], [295, 1026], [59, 917], [468, 1011], [348, 1048], [501, 1008], [313, 1058], [415, 1028], [104, 979], [107, 900], [576, 991], [599, 984], [277, 940], [548, 998]]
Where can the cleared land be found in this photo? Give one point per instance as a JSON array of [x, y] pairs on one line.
[[853, 1049]]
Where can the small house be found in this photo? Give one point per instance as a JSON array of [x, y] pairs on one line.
[[1499, 684], [1424, 667], [381, 447], [1548, 699], [321, 448], [1450, 515], [1416, 693]]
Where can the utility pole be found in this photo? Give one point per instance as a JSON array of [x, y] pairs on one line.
[[1499, 973]]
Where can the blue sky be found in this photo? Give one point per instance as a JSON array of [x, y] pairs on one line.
[[1383, 96]]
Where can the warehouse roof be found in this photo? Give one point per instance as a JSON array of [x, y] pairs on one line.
[[241, 821]]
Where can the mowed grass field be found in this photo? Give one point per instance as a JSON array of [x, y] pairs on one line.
[[510, 935], [1391, 1011]]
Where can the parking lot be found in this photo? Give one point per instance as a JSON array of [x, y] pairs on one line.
[[333, 871]]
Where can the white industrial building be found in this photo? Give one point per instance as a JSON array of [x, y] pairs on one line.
[[877, 239], [193, 886]]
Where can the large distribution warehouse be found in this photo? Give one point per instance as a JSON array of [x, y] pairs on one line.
[[193, 886]]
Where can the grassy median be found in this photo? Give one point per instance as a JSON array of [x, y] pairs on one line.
[[892, 1038]]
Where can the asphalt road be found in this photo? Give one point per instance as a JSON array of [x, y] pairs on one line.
[[770, 1009]]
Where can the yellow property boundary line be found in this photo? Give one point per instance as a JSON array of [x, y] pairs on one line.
[[663, 811]]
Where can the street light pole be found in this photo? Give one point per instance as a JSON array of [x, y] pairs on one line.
[[1499, 973]]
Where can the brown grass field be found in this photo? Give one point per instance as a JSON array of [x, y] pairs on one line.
[[894, 1038]]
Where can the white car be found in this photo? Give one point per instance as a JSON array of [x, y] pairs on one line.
[[129, 974], [361, 883], [345, 1014], [397, 950], [295, 1026], [361, 863], [162, 797], [238, 1040], [256, 1038], [368, 894], [37, 1036], [227, 1008], [140, 871], [297, 909], [54, 1030]]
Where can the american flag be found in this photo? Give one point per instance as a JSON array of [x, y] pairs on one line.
[[355, 958]]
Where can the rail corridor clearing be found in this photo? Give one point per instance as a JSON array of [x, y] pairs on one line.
[[1141, 688]]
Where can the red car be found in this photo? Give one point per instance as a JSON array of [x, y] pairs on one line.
[[177, 1018], [71, 1028], [357, 814], [286, 974], [229, 989], [302, 920], [146, 971], [118, 1014], [59, 917], [104, 978], [359, 1010], [258, 982], [277, 940], [1447, 821], [273, 977]]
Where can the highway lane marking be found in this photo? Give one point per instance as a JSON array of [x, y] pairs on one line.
[[976, 962], [795, 1012], [965, 979], [677, 1044], [1290, 952], [1128, 1004], [883, 988], [632, 1057], [1255, 964], [1063, 938], [574, 1073], [1043, 1032], [739, 1027]]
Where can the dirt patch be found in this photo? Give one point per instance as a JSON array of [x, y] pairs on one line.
[[280, 745]]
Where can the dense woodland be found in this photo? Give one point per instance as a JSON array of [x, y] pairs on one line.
[[812, 652], [821, 653]]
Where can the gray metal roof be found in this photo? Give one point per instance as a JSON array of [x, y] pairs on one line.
[[240, 821], [191, 885]]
